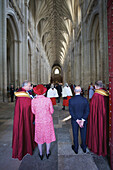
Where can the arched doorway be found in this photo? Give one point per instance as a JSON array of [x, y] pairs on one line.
[[56, 75], [95, 60], [13, 49], [10, 54]]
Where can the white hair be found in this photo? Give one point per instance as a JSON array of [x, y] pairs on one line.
[[78, 89], [25, 83]]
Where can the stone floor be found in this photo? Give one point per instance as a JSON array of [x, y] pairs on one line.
[[62, 156]]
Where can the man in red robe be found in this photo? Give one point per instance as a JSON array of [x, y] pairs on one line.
[[23, 130], [97, 121]]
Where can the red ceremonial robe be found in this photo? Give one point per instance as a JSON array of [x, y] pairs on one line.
[[53, 99], [23, 130], [66, 101], [96, 139]]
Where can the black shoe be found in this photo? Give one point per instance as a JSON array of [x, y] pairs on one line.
[[48, 155], [41, 156], [73, 148], [84, 150]]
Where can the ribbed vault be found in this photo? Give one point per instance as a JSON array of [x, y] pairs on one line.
[[54, 22]]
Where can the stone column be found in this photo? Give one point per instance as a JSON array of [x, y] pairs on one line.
[[72, 66], [42, 70], [106, 68], [16, 62], [78, 70], [20, 65], [3, 57], [25, 44], [89, 58], [75, 62], [36, 74], [82, 48], [30, 68], [97, 70], [92, 60], [64, 79], [34, 71], [101, 13], [86, 63], [1, 29], [39, 69], [69, 70]]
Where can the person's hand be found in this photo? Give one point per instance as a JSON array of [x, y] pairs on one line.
[[81, 123], [78, 121]]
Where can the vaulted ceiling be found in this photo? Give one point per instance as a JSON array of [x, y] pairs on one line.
[[54, 21]]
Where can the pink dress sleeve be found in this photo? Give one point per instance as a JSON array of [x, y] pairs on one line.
[[51, 107]]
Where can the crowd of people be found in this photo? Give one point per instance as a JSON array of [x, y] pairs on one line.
[[33, 122]]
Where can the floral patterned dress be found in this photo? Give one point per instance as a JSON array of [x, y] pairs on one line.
[[44, 129]]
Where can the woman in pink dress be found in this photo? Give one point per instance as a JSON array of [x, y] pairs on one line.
[[44, 129]]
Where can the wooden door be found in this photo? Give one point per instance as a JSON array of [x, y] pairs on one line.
[[110, 55]]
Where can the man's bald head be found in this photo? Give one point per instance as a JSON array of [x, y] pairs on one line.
[[77, 89]]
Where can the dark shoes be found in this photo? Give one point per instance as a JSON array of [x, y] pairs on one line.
[[48, 155], [73, 148], [41, 156], [84, 150]]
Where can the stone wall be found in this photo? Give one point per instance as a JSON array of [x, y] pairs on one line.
[[22, 55], [20, 47], [90, 45]]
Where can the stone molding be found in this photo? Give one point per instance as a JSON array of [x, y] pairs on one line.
[[92, 4], [14, 4]]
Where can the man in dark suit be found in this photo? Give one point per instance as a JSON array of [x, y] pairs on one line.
[[79, 111]]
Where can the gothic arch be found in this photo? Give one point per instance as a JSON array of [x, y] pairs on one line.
[[13, 49], [29, 61], [12, 14], [94, 13], [93, 38], [56, 77]]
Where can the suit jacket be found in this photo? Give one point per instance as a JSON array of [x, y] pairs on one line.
[[79, 107]]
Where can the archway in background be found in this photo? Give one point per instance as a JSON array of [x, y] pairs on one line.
[[56, 75], [12, 53], [13, 50]]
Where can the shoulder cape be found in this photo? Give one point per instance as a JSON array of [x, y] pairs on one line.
[[102, 92], [21, 94]]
